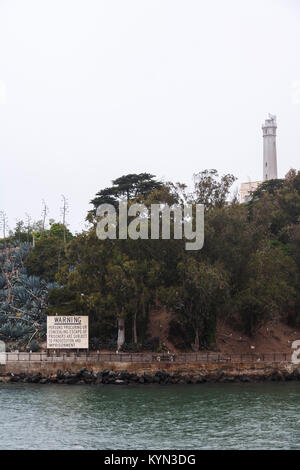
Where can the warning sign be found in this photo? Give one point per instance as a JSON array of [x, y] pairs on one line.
[[68, 332]]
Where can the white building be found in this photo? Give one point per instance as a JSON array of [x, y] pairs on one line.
[[270, 153], [269, 159], [246, 190]]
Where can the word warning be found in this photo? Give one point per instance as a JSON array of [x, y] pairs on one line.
[[67, 332]]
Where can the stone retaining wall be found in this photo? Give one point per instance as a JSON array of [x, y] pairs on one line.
[[127, 372]]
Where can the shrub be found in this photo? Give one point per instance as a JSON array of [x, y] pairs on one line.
[[33, 346]]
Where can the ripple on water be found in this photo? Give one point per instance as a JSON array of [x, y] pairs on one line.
[[221, 416]]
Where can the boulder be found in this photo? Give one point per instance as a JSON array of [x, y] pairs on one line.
[[148, 379], [59, 374], [14, 378], [36, 378], [124, 375], [277, 376], [295, 374]]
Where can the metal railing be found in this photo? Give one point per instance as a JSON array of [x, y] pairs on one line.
[[181, 358]]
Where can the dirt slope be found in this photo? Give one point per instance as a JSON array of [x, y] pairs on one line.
[[274, 337]]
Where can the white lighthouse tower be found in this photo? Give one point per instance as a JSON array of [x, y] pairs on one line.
[[270, 152]]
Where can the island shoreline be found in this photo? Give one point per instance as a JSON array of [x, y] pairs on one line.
[[166, 374]]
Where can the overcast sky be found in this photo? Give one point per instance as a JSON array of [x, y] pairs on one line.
[[91, 90]]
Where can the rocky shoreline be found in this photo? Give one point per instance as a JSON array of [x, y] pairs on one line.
[[110, 377]]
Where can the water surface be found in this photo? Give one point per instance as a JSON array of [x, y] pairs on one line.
[[221, 416]]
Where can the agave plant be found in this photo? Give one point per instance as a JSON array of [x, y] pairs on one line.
[[22, 297], [2, 281]]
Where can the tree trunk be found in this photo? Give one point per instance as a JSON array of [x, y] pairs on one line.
[[65, 239], [134, 334], [195, 346], [121, 332]]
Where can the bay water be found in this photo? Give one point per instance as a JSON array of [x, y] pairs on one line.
[[209, 416]]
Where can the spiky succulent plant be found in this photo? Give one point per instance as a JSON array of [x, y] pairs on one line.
[[23, 298]]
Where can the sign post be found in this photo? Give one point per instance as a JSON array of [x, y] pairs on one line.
[[67, 332]]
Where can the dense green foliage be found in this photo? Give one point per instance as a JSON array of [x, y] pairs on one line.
[[49, 251], [23, 299], [247, 272]]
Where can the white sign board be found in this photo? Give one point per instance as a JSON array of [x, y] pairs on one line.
[[2, 358], [68, 332]]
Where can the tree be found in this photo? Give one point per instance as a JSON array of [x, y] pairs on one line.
[[135, 187], [83, 277], [64, 210], [4, 226], [46, 258], [211, 190], [230, 239], [60, 231], [45, 212], [270, 187], [269, 290], [276, 204], [196, 300], [121, 290], [20, 231]]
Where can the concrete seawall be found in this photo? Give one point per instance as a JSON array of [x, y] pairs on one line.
[[95, 372]]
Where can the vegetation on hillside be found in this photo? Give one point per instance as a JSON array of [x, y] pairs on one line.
[[247, 272], [23, 299]]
